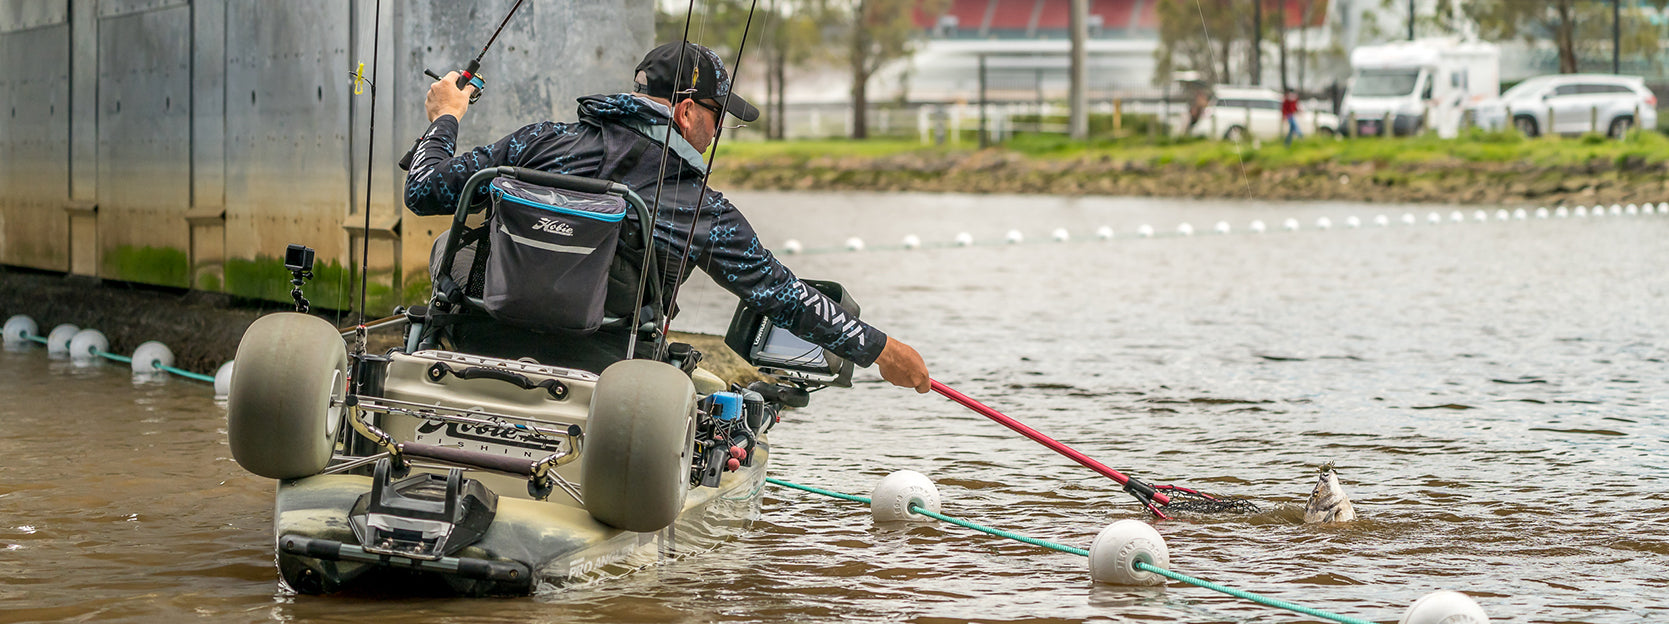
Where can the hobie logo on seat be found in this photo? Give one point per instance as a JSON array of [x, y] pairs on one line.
[[553, 226]]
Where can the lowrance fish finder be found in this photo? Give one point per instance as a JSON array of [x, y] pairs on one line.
[[775, 351]]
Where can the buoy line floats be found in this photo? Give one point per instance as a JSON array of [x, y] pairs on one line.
[[1126, 552], [1223, 228], [86, 346]]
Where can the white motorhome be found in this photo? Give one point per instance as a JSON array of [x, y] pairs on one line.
[[1418, 85]]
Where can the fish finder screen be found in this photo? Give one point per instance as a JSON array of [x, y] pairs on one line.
[[787, 349]]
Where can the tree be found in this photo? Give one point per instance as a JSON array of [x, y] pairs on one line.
[[1578, 28], [793, 37], [1190, 37], [880, 31], [784, 34]]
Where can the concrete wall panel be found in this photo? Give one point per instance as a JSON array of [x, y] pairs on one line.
[[144, 154], [286, 141], [34, 148], [186, 142]]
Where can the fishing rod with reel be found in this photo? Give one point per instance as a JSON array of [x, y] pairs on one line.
[[469, 77]]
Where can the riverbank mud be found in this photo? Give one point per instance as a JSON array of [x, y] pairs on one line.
[[1599, 181]]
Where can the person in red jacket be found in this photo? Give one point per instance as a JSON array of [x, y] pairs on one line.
[[1289, 114]]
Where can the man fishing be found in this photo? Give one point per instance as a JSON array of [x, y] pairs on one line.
[[624, 137]]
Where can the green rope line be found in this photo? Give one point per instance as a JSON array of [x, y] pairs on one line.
[[1281, 604], [1140, 565], [39, 339], [829, 493], [177, 371], [111, 356], [185, 373], [1001, 533]]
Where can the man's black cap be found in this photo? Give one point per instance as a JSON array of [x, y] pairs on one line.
[[702, 76]]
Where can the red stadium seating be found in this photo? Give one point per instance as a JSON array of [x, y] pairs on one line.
[[1056, 15], [1115, 14], [1013, 15]]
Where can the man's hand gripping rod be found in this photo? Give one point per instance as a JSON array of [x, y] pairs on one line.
[[470, 76]]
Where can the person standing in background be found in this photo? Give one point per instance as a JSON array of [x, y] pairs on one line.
[[1289, 114]]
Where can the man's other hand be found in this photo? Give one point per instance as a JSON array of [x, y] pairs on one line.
[[902, 366], [445, 98]]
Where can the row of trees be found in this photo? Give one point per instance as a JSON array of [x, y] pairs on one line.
[[1214, 37], [861, 34]]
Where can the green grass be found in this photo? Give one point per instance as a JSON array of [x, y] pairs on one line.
[[1472, 147]]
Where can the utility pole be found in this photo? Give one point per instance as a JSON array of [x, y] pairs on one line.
[[1616, 36], [1257, 42], [1410, 20], [1078, 124]]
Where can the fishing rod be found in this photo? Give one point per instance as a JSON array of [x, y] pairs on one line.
[[470, 77], [1153, 497]]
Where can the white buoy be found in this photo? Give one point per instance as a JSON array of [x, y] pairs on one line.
[[1616, 209], [964, 239], [1541, 212], [1480, 216], [1258, 227], [1581, 211], [793, 246], [1646, 208], [1290, 225], [1104, 233], [1353, 222], [1185, 229], [854, 244], [223, 381], [1457, 217], [1381, 220], [1113, 555], [1222, 227], [897, 492], [911, 241], [86, 344], [1324, 223], [1014, 237], [1444, 607], [58, 340], [1061, 235], [150, 357], [1631, 209], [1561, 212], [1501, 214], [1408, 218], [1146, 231], [18, 329], [1434, 218], [1520, 214]]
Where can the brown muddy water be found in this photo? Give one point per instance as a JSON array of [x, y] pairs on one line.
[[1493, 395]]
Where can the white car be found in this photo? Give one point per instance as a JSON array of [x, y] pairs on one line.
[[1239, 113], [1572, 104]]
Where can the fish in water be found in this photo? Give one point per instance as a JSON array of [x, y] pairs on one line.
[[1328, 502]]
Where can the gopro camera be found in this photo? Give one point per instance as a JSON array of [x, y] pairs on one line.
[[298, 258]]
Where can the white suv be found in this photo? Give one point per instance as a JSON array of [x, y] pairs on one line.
[[1240, 113], [1572, 104]]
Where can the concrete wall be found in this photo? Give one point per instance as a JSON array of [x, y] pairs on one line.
[[187, 142]]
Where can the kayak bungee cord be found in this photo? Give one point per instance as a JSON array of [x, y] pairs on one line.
[[1153, 497]]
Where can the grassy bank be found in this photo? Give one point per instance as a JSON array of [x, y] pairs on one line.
[[1500, 167]]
